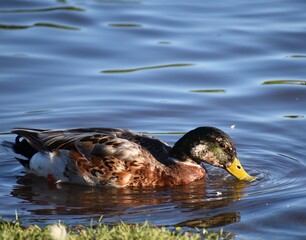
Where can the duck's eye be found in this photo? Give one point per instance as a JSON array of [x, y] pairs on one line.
[[222, 145]]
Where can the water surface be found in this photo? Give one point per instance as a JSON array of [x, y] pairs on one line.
[[162, 67]]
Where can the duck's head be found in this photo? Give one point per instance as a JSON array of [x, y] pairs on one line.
[[213, 146]]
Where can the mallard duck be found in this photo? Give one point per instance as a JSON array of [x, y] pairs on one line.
[[121, 158]]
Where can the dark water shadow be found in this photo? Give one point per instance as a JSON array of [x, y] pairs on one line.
[[217, 220]]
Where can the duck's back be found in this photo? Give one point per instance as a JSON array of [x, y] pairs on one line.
[[95, 156]]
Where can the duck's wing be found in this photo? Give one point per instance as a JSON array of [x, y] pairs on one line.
[[98, 155], [159, 149], [49, 140], [106, 160], [84, 140]]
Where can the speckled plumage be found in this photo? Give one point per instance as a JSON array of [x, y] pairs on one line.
[[104, 156], [120, 158]]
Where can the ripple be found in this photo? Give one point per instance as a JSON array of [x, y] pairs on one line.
[[284, 82], [124, 25], [128, 39], [297, 56], [40, 24], [208, 91], [39, 111], [212, 221], [119, 2], [43, 10], [147, 68], [164, 42], [276, 179], [293, 116]]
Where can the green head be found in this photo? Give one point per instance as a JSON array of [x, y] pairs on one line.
[[213, 146]]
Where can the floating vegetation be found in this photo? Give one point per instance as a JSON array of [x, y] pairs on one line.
[[284, 82], [208, 91], [50, 25], [146, 68]]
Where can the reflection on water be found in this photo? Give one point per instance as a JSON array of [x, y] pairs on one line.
[[214, 221], [162, 67], [293, 116], [124, 25], [147, 68], [41, 10], [118, 2], [68, 199], [209, 91], [294, 82], [50, 25], [297, 56]]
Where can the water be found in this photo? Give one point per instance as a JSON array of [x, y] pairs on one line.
[[162, 67]]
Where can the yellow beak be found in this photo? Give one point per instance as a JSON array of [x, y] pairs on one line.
[[237, 171]]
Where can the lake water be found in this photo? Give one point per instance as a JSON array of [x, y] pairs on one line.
[[162, 67]]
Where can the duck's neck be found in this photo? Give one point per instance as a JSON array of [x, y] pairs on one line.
[[182, 173], [181, 149], [179, 155]]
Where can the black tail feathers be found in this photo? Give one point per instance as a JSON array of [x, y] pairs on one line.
[[23, 148], [25, 163]]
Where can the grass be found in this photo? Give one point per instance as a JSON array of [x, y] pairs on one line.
[[121, 231]]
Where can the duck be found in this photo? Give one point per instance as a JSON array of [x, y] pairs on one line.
[[121, 158]]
